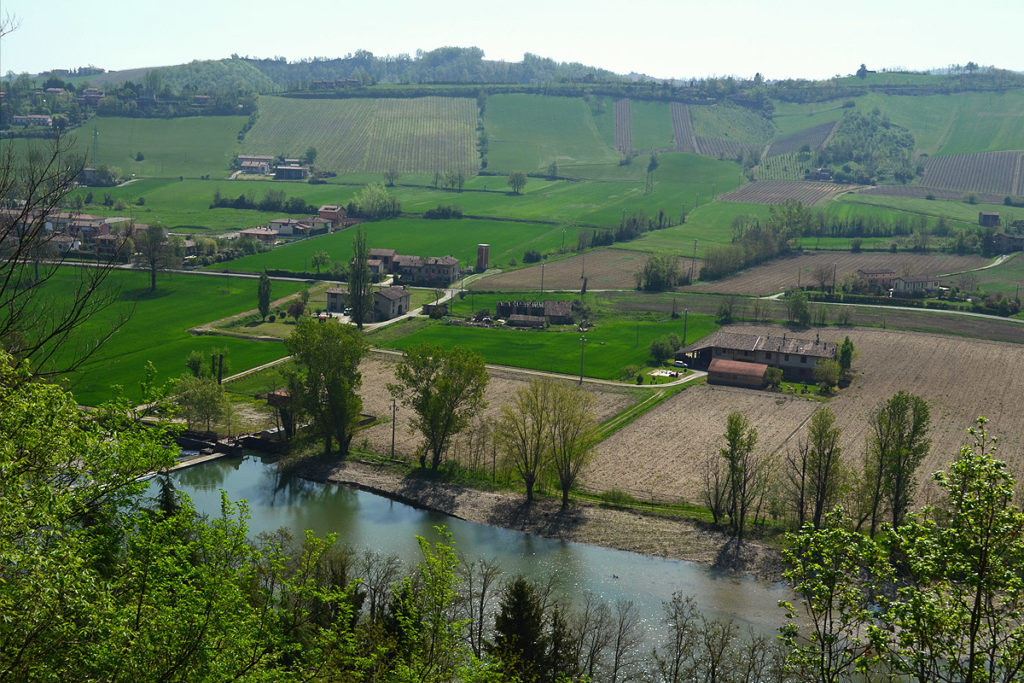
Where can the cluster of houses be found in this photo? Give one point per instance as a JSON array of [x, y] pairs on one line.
[[329, 217], [281, 169], [428, 271], [901, 286], [739, 359], [104, 235]]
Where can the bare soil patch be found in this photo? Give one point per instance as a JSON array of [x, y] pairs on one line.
[[658, 455], [789, 273], [603, 268]]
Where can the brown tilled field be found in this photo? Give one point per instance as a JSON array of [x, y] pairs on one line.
[[778, 191], [604, 268], [786, 273], [658, 455], [378, 370]]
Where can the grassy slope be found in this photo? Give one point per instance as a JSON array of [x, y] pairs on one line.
[[528, 132], [651, 125], [157, 329], [190, 147], [370, 135], [731, 123]]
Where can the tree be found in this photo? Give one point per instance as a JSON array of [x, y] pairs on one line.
[[896, 446], [553, 170], [824, 468], [517, 181], [742, 470], [263, 295], [374, 202], [519, 639], [773, 376], [296, 309], [660, 349], [360, 293], [156, 251], [523, 430], [310, 156], [797, 308], [827, 374], [327, 354], [201, 399], [571, 434], [321, 259], [390, 176], [445, 389], [846, 354]]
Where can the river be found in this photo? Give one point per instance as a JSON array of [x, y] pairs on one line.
[[367, 521]]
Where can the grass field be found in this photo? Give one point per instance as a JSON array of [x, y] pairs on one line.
[[709, 224], [157, 329], [734, 124], [608, 348], [652, 126], [370, 135], [190, 147], [1005, 278], [528, 132]]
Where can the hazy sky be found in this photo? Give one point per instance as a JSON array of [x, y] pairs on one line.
[[662, 38]]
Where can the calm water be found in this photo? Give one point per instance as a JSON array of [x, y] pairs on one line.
[[364, 520]]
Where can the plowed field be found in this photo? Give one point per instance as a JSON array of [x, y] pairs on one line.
[[787, 273], [604, 269], [658, 455]]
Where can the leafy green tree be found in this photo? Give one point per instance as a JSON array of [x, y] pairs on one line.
[[156, 251], [517, 181], [846, 353], [327, 354], [390, 176], [296, 309], [797, 308], [522, 431], [360, 283], [773, 376], [827, 374], [553, 170], [824, 469], [896, 445], [321, 259], [571, 428], [519, 638], [743, 470], [374, 202], [310, 156], [263, 295], [445, 389], [660, 349], [201, 399]]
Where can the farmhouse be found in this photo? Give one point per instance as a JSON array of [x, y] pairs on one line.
[[261, 234], [386, 257], [796, 357], [336, 299], [391, 302], [554, 312], [881, 278], [1005, 243], [909, 286], [334, 213], [254, 164], [737, 373], [290, 172]]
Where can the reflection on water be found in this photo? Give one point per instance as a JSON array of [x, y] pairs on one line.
[[367, 521]]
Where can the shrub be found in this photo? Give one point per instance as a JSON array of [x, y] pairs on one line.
[[618, 497], [531, 256], [272, 317]]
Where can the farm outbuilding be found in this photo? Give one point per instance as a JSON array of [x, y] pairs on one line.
[[796, 357], [737, 373], [988, 219]]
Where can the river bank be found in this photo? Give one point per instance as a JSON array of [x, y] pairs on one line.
[[649, 534]]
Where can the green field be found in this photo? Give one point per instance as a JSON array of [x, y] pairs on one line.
[[528, 132], [709, 224], [421, 134], [1005, 278], [417, 236], [651, 126], [609, 346], [735, 124], [189, 147], [157, 329]]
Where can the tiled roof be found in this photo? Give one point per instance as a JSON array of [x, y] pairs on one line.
[[760, 342]]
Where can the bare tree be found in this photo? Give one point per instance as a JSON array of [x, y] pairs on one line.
[[593, 625], [523, 430], [571, 433], [43, 301], [624, 642], [824, 467], [796, 463], [478, 581], [715, 481]]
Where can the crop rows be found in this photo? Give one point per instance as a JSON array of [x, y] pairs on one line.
[[682, 126], [623, 127], [775, 192], [721, 149], [813, 137], [782, 167], [370, 135], [1000, 173]]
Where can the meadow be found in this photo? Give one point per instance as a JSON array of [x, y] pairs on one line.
[[610, 345], [157, 329], [421, 134]]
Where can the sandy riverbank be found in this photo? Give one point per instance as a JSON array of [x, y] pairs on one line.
[[649, 534]]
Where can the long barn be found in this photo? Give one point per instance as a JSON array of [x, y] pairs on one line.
[[795, 356]]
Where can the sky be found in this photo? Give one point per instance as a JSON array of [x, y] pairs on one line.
[[659, 38]]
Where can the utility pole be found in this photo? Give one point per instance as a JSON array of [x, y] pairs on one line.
[[583, 341], [694, 260], [542, 280], [394, 414], [834, 266], [686, 316]]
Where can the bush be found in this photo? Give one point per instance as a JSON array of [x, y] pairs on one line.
[[628, 372], [531, 256], [272, 318], [618, 497]]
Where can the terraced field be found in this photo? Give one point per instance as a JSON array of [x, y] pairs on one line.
[[999, 173], [370, 135], [776, 192]]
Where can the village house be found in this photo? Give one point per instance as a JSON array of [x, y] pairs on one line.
[[917, 285], [386, 257], [988, 219], [260, 234], [391, 302], [255, 164], [877, 279], [334, 213], [1005, 243], [336, 299], [796, 357]]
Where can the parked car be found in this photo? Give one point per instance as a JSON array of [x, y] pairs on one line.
[[680, 364]]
